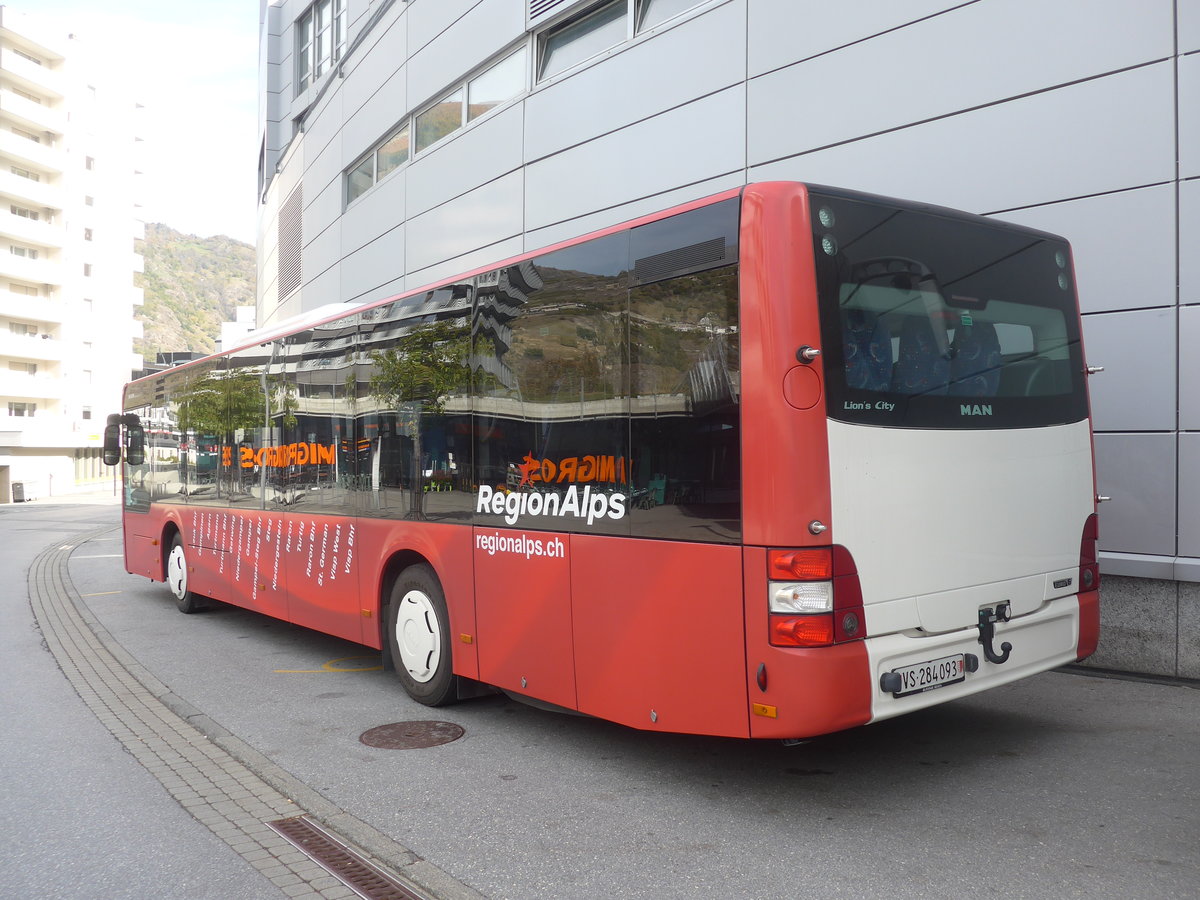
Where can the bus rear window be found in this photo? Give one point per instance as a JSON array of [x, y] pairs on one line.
[[936, 320]]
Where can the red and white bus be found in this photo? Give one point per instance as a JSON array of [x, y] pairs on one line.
[[775, 463]]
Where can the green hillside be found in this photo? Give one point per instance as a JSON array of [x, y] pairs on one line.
[[192, 284]]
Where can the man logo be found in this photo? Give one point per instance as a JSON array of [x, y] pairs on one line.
[[968, 409]]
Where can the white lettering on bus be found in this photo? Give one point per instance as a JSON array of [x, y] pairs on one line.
[[521, 545], [582, 504]]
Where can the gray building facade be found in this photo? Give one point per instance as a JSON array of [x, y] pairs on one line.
[[406, 142]]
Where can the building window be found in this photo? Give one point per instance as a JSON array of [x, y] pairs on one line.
[[26, 367], [17, 408], [654, 12], [89, 163], [28, 135], [582, 38], [88, 305], [87, 270], [440, 119], [360, 178], [88, 201], [320, 40], [500, 83], [24, 290], [24, 212], [477, 94], [23, 252], [87, 234], [392, 153], [87, 412], [25, 173], [22, 329]]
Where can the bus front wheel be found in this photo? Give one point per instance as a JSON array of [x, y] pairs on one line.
[[177, 579], [418, 635]]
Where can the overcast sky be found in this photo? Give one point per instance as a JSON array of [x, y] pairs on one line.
[[194, 67]]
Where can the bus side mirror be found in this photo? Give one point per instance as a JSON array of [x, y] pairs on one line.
[[112, 441], [135, 445]]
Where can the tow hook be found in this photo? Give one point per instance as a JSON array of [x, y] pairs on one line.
[[988, 618]]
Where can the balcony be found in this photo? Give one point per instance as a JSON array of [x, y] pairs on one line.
[[40, 347], [35, 271], [36, 79], [30, 231], [27, 153], [27, 388], [34, 193], [33, 116], [36, 309]]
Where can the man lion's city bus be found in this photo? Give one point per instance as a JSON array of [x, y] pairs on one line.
[[775, 463]]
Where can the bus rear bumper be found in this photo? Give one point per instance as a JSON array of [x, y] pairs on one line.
[[1041, 640]]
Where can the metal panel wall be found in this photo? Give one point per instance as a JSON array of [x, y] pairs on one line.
[[1189, 495], [487, 28], [481, 217], [1136, 391], [1028, 151], [1139, 476], [647, 158], [982, 53], [784, 31], [1189, 116], [646, 79], [479, 153], [1189, 368], [1123, 243]]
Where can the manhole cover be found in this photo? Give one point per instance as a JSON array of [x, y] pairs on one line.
[[411, 735]]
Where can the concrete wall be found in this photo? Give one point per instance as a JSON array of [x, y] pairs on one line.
[[1074, 116]]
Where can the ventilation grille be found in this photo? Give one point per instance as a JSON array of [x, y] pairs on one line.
[[683, 261], [291, 237], [541, 9]]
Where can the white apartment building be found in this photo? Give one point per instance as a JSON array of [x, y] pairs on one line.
[[407, 142], [68, 226]]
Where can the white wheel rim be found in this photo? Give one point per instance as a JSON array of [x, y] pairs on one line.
[[418, 636], [177, 572]]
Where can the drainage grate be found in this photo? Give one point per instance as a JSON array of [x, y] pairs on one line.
[[364, 878], [411, 735]]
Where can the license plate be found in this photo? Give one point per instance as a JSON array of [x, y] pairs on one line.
[[929, 675]]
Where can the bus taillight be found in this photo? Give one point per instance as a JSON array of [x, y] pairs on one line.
[[814, 597], [1089, 567]]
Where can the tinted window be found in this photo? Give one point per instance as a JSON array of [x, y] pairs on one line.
[[552, 391], [932, 319], [413, 407]]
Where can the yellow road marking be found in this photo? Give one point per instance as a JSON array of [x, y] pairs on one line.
[[332, 666]]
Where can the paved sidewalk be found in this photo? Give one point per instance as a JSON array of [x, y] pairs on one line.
[[222, 782]]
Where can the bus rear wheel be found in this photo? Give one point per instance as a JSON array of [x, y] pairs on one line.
[[177, 579], [418, 635]]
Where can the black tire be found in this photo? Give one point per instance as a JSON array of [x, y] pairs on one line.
[[176, 577], [418, 636]]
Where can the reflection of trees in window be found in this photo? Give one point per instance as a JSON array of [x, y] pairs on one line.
[[415, 380]]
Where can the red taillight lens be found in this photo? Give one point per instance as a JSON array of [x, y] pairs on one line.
[[802, 631], [1089, 567], [789, 571], [800, 565]]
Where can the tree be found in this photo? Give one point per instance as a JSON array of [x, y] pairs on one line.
[[416, 377]]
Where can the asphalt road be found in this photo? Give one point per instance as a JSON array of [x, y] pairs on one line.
[[1064, 785]]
